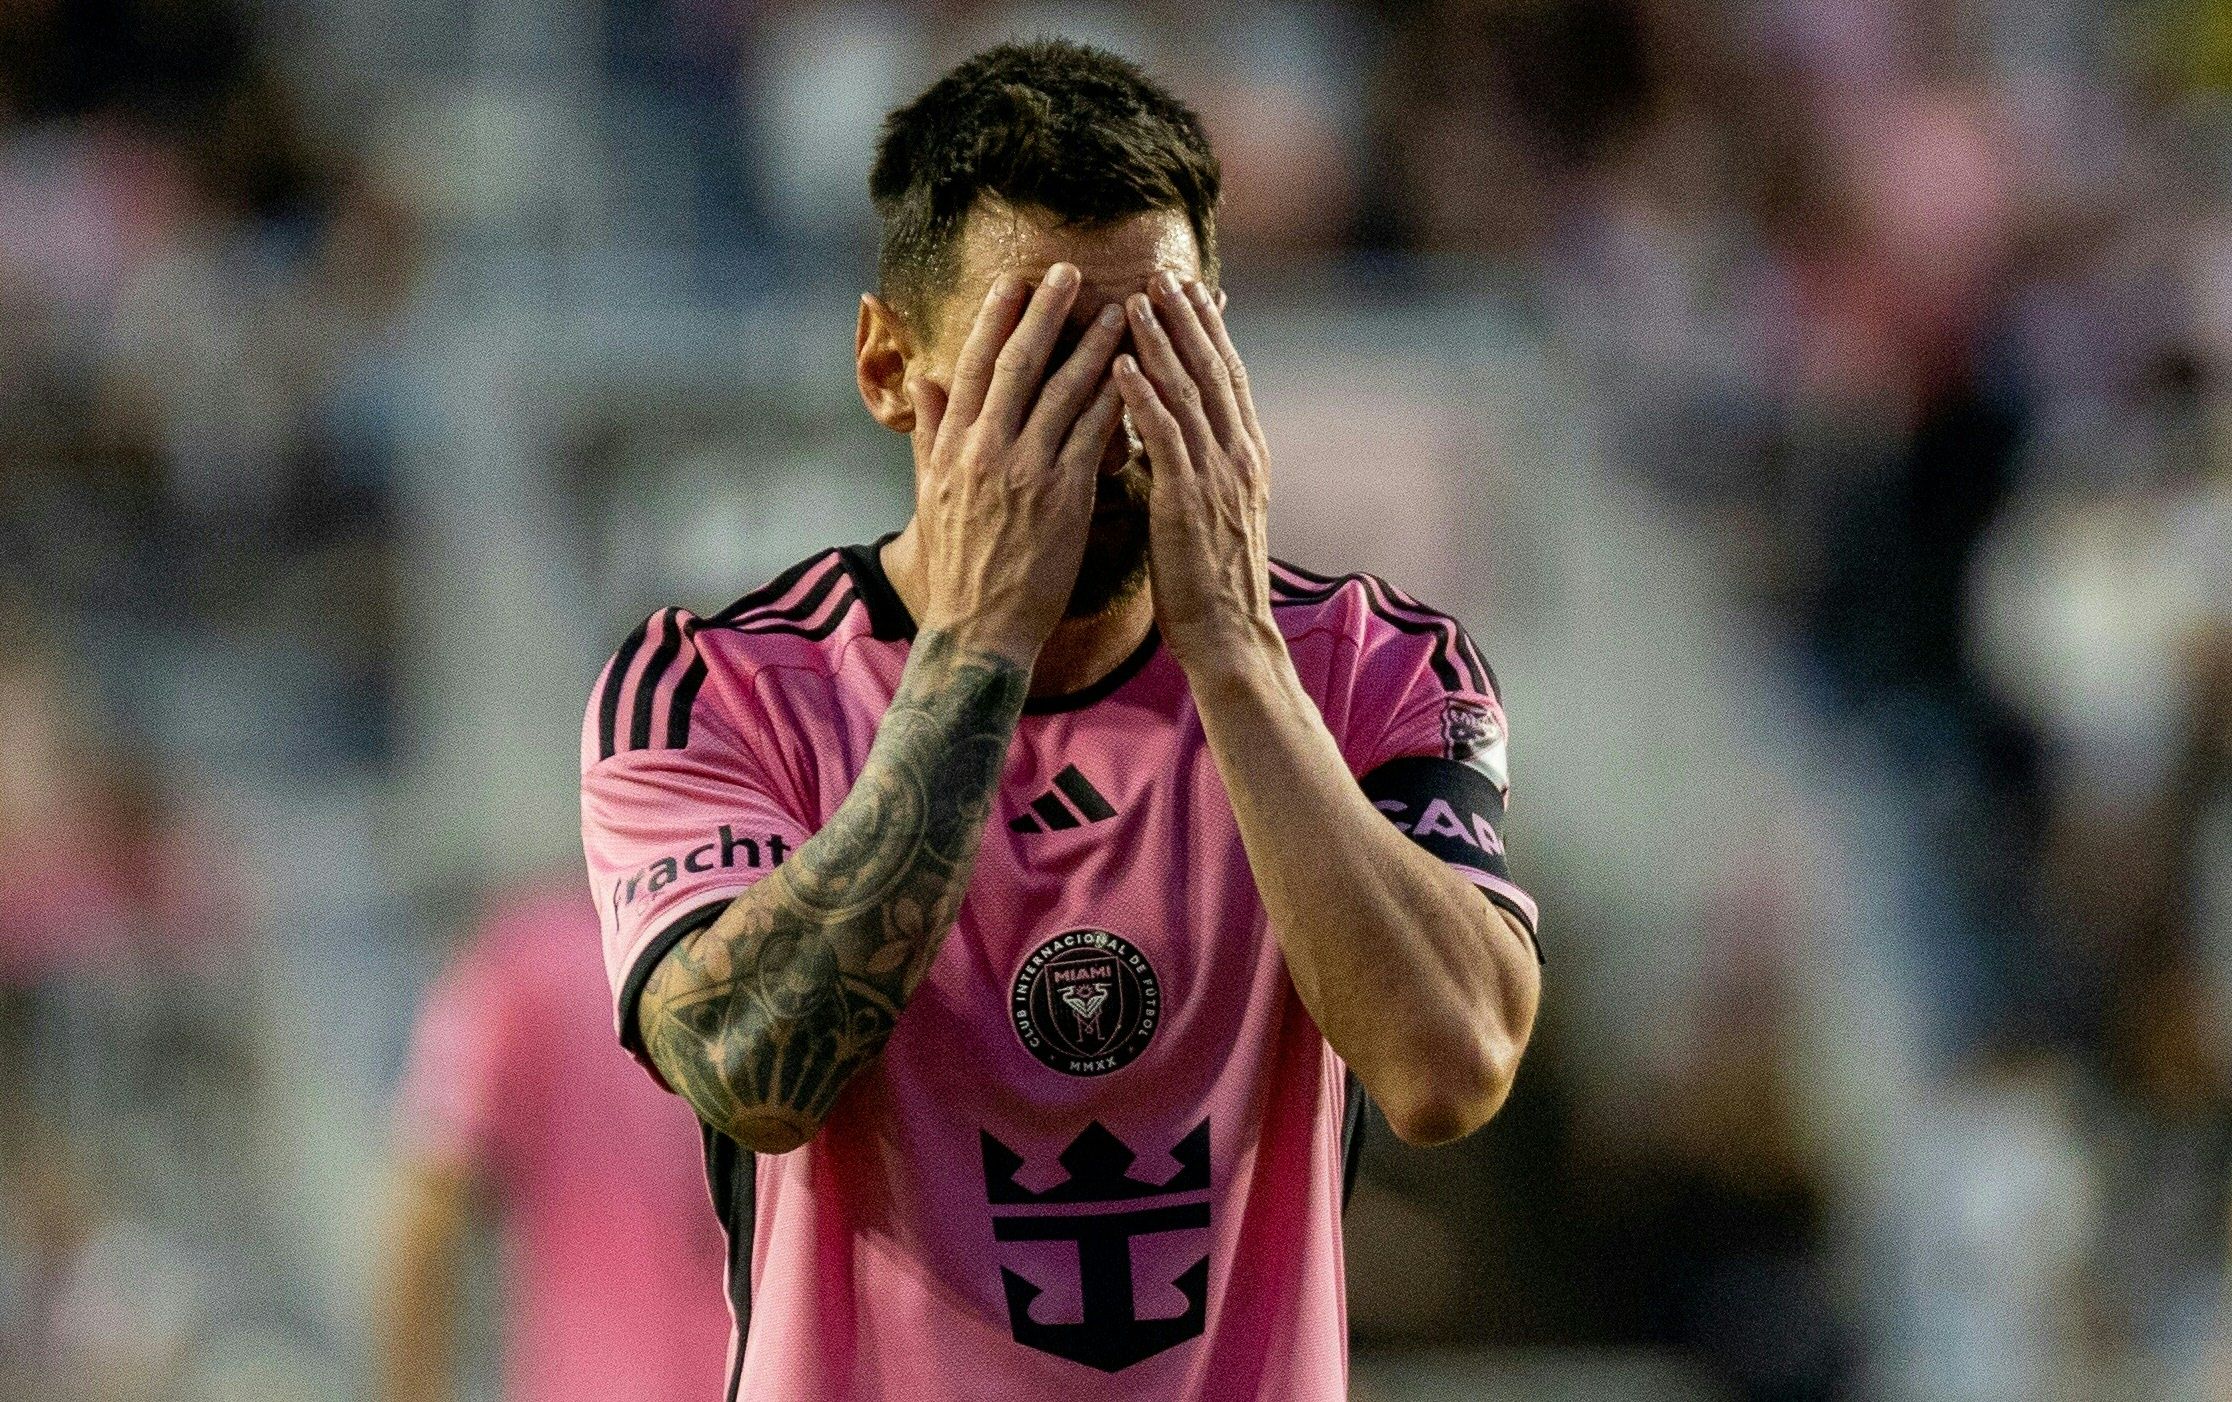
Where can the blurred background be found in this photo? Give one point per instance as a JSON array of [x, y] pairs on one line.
[[1817, 409]]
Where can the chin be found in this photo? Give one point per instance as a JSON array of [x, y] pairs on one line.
[[1115, 565]]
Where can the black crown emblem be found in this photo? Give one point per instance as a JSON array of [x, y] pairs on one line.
[[1110, 1336]]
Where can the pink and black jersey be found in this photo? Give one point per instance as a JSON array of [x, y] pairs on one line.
[[1105, 1151]]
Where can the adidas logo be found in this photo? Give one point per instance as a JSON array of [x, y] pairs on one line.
[[1053, 814]]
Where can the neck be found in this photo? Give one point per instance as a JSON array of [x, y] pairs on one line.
[[1079, 652]]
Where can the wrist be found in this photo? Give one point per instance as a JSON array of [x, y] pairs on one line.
[[1248, 663], [984, 637]]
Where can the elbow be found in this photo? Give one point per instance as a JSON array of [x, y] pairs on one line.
[[1452, 1090]]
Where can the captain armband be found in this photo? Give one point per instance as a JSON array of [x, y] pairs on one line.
[[1453, 810]]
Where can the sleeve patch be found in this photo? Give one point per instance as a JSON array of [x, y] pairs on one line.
[[1474, 736]]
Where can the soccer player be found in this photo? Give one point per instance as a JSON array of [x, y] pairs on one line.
[[513, 1101], [1015, 897]]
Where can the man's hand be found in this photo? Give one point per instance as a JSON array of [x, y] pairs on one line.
[[1209, 555], [1005, 467]]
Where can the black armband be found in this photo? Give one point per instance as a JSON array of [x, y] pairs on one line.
[[1452, 809]]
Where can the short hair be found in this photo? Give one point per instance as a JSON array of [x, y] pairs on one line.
[[1051, 125]]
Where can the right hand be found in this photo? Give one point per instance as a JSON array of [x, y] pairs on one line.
[[1006, 467]]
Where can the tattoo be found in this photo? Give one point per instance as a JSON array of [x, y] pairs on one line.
[[760, 1019]]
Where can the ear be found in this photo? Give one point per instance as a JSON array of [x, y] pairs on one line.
[[881, 349]]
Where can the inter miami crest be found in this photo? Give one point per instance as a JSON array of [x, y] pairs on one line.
[[1086, 1002]]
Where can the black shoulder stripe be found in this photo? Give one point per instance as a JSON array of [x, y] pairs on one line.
[[685, 696], [1454, 649], [654, 672], [1452, 634], [1444, 669], [1460, 641], [798, 613], [608, 703], [771, 591], [797, 627], [1473, 658]]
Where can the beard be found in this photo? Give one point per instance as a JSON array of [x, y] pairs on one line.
[[1115, 563]]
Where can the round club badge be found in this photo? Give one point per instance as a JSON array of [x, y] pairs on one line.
[[1086, 1002]]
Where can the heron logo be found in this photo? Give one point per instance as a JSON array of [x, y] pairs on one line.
[[1086, 1002]]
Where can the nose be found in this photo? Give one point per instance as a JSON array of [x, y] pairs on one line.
[[1120, 448]]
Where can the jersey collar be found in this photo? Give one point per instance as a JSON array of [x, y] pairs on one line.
[[889, 621]]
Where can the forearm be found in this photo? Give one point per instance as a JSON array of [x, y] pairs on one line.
[[761, 1018], [1420, 983]]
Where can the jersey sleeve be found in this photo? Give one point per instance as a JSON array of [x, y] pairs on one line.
[[684, 805], [1440, 767]]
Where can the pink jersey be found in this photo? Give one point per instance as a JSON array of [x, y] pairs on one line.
[[1103, 1154], [611, 1269]]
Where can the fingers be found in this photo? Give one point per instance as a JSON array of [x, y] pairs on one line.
[[972, 369], [1158, 428], [1211, 312], [1089, 434], [1021, 362], [1182, 308], [1070, 389], [1181, 394]]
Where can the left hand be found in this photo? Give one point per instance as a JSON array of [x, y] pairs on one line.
[[1208, 551]]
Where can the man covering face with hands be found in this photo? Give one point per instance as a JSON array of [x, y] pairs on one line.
[[1027, 901]]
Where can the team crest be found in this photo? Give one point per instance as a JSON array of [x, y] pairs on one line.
[[1086, 1002], [1474, 736]]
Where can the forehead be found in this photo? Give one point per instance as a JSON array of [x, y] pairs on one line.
[[1115, 259]]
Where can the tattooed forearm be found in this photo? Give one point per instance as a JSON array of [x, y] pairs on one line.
[[760, 1019]]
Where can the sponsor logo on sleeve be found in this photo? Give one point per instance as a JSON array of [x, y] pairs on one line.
[[723, 850]]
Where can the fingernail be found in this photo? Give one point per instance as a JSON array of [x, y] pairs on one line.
[[1199, 291], [1125, 365], [1061, 275], [1142, 308], [1166, 282], [1110, 315], [1003, 287]]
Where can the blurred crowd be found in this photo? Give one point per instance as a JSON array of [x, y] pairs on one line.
[[1915, 318]]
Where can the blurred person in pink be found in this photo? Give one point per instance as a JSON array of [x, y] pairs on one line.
[[513, 1101]]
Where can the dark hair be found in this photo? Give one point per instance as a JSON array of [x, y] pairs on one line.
[[1051, 125]]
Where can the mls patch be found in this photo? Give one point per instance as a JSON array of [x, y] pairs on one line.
[[1473, 735]]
